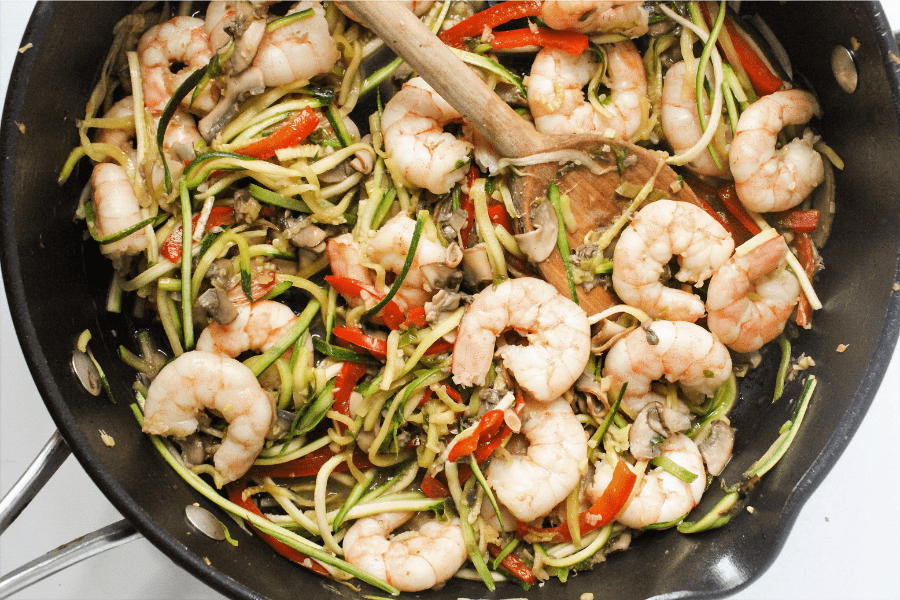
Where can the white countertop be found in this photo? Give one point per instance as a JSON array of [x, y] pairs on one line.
[[845, 543]]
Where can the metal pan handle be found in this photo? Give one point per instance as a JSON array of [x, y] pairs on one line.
[[52, 456]]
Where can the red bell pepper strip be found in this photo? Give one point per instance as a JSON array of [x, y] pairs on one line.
[[492, 17], [728, 195], [571, 42], [498, 216], [287, 136], [347, 379], [374, 346], [709, 201], [762, 78], [603, 511], [308, 465], [390, 314], [433, 488], [806, 254], [801, 221], [487, 427], [416, 317], [235, 491], [514, 565], [171, 247]]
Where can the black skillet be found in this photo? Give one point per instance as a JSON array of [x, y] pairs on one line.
[[56, 288]]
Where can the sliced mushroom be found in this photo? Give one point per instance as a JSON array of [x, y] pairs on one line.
[[220, 273], [594, 391], [608, 335], [641, 437], [540, 242], [248, 83], [653, 422], [246, 207], [716, 448], [303, 234], [443, 304], [217, 306], [475, 266]]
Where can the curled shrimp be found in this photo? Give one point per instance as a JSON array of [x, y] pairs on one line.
[[660, 230], [681, 122], [117, 208], [768, 178], [179, 41], [412, 561], [297, 51], [123, 139], [432, 268], [530, 485], [413, 124], [628, 17], [197, 380], [257, 327], [662, 497], [674, 350], [178, 142], [238, 21], [557, 330], [556, 96], [752, 296]]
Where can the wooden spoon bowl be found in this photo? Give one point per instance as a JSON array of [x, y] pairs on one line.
[[591, 190]]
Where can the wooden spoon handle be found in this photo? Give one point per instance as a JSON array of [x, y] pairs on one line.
[[461, 87]]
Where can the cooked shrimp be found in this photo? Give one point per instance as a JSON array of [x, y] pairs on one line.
[[257, 327], [412, 561], [178, 142], [116, 207], [239, 21], [682, 352], [413, 124], [556, 96], [557, 330], [681, 122], [662, 497], [660, 230], [343, 258], [768, 178], [297, 51], [120, 138], [179, 41], [752, 296], [628, 17], [531, 485], [197, 380], [432, 268]]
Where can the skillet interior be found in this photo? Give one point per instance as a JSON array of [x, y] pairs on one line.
[[43, 273]]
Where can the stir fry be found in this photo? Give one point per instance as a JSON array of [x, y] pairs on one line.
[[349, 345]]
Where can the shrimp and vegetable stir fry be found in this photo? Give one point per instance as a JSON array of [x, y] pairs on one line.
[[344, 333]]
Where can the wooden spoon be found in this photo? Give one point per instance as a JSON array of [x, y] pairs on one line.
[[591, 192]]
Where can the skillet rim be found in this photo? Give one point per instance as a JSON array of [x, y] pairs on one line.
[[58, 408]]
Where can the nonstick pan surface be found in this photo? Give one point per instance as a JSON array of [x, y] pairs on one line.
[[816, 567]]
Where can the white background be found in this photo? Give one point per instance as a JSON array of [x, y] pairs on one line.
[[845, 543]]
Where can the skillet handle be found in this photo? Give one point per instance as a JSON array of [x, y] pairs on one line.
[[52, 456], [106, 538]]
